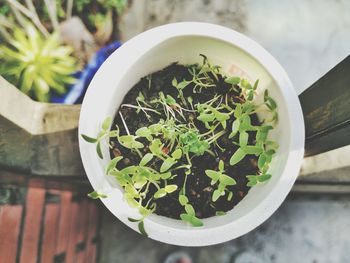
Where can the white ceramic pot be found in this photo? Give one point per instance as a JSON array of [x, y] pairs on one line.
[[236, 54]]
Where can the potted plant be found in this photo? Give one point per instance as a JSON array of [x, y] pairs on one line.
[[179, 153], [47, 51]]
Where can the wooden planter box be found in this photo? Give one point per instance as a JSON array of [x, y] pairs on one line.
[[38, 138]]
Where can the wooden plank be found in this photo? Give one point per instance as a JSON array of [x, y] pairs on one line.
[[326, 110], [91, 249], [50, 232], [73, 233], [83, 230], [64, 221], [32, 225], [78, 184], [10, 222]]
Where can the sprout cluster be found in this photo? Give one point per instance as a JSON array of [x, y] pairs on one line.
[[168, 146]]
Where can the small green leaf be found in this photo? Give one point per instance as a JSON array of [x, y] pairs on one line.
[[183, 84], [252, 149], [264, 177], [189, 209], [146, 159], [185, 217], [227, 180], [272, 144], [170, 188], [262, 160], [237, 156], [216, 195], [111, 165], [220, 213], [167, 164], [177, 154], [229, 197], [140, 97], [232, 80], [113, 134], [170, 100], [156, 147], [166, 175], [238, 111], [266, 94], [183, 200], [196, 222], [143, 132], [133, 219], [243, 138], [245, 84], [204, 117], [160, 193], [214, 175], [130, 189], [252, 180], [248, 107], [96, 195], [235, 128], [221, 166], [245, 123], [98, 150], [88, 139], [174, 82], [106, 123], [142, 230], [256, 84], [155, 128], [144, 211], [129, 141]]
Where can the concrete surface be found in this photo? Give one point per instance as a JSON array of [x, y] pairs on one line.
[[304, 229]]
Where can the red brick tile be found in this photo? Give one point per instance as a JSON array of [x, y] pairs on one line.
[[73, 233], [64, 222], [10, 222], [91, 249], [83, 229], [32, 224], [50, 232]]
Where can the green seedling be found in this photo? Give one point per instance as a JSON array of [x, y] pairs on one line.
[[187, 128], [104, 134], [223, 180], [96, 195], [190, 215]]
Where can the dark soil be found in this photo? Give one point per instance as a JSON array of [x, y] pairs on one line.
[[198, 187]]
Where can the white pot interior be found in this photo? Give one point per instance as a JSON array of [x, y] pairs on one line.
[[123, 69]]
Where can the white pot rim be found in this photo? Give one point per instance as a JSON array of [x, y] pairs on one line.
[[129, 53]]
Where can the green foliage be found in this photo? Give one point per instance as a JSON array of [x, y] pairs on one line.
[[192, 143], [36, 64], [254, 179], [223, 180], [169, 145], [104, 134], [141, 225], [96, 195], [170, 161], [190, 215], [210, 115]]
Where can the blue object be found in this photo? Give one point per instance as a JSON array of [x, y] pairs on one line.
[[77, 91]]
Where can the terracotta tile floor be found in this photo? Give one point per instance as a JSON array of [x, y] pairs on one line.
[[48, 226]]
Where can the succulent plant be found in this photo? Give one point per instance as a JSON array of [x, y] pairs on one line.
[[37, 64]]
